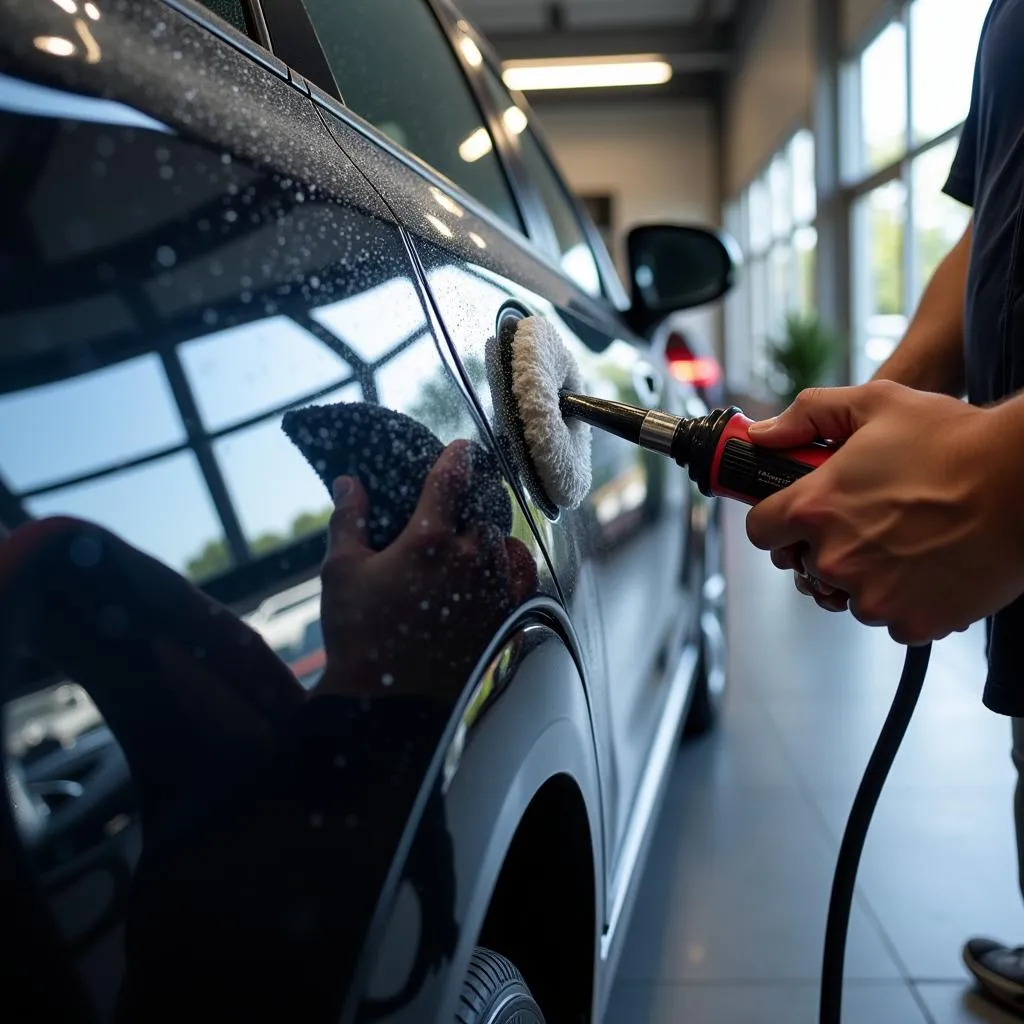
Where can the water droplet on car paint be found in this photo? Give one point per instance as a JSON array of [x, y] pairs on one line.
[[166, 256], [387, 679]]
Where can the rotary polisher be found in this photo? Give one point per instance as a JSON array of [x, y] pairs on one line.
[[715, 449], [535, 380], [720, 458]]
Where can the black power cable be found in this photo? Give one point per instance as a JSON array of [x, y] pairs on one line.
[[915, 666]]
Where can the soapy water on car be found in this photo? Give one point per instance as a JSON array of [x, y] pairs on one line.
[[542, 424]]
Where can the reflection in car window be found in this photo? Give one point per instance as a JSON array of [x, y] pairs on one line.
[[297, 504], [394, 67], [51, 432], [574, 252], [163, 507], [263, 365]]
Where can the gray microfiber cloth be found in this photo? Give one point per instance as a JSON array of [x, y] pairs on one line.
[[391, 454]]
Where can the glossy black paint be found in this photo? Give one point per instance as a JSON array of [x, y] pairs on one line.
[[180, 192]]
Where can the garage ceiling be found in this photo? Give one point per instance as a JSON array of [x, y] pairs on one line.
[[697, 37]]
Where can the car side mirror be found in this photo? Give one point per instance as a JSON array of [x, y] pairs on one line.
[[676, 267]]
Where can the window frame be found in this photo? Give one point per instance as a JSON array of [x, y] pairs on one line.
[[857, 182], [746, 366], [540, 228], [297, 43]]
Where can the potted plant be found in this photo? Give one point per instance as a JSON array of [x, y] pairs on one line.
[[804, 355]]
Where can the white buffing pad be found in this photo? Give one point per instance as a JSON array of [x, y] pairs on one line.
[[560, 449]]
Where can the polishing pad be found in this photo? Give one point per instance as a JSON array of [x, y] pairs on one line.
[[391, 454], [542, 367]]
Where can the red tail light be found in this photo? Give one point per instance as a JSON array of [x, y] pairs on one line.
[[701, 371]]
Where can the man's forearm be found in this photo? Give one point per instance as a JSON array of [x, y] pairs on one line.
[[931, 355]]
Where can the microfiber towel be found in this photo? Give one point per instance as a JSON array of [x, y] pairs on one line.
[[391, 454]]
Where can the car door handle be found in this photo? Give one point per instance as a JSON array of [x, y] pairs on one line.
[[648, 382]]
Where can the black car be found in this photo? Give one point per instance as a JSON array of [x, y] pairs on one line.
[[273, 753]]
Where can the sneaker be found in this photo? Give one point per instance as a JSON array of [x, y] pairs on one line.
[[999, 969]]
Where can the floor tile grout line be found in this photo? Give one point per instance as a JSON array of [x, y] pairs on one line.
[[921, 1004], [818, 814]]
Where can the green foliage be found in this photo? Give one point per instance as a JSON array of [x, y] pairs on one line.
[[805, 354], [211, 561], [215, 559]]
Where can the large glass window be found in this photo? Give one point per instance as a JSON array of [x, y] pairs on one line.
[[773, 223], [943, 44], [937, 221], [879, 238], [914, 83], [881, 77], [394, 67]]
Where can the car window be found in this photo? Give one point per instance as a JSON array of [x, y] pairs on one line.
[[574, 252], [407, 83]]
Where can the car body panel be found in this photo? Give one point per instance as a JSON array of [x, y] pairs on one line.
[[196, 219], [495, 761], [619, 560], [237, 243]]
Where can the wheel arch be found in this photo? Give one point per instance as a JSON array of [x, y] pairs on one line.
[[525, 764]]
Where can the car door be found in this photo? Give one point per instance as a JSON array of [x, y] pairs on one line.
[[185, 258], [440, 154]]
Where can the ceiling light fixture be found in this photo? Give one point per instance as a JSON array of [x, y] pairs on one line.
[[586, 72]]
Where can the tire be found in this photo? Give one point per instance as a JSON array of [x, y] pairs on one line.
[[494, 993], [709, 686]]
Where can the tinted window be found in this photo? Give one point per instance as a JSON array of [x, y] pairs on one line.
[[394, 66], [574, 252]]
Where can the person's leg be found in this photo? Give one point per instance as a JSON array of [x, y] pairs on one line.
[[999, 968]]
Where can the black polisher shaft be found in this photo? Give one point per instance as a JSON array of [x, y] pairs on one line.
[[614, 417]]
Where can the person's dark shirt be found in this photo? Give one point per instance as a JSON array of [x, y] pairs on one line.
[[988, 175]]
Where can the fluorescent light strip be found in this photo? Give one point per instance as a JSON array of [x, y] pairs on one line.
[[586, 73]]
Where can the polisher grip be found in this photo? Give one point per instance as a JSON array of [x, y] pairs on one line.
[[749, 473]]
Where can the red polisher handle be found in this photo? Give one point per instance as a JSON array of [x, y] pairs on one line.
[[749, 473]]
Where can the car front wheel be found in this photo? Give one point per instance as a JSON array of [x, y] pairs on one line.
[[494, 992]]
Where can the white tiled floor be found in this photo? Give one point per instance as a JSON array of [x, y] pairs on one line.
[[728, 924]]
